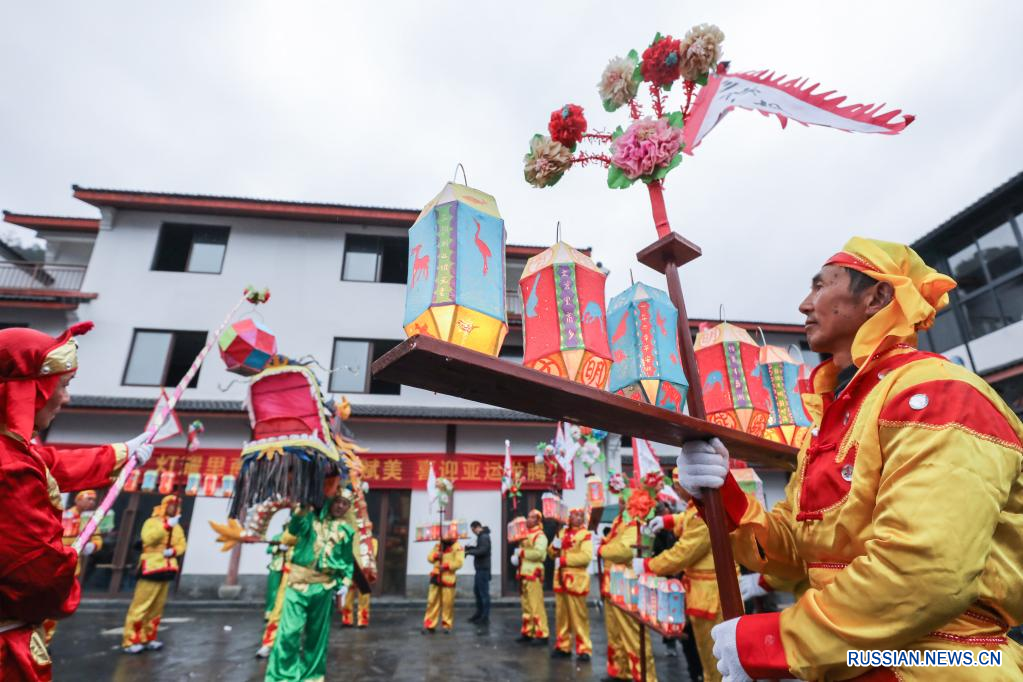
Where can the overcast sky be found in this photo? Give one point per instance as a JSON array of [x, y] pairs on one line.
[[375, 103]]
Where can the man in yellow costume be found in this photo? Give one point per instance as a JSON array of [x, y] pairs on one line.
[[528, 560], [691, 555], [355, 608], [163, 542], [619, 547], [572, 551], [447, 557], [906, 510]]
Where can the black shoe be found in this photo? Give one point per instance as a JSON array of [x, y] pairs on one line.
[[541, 641], [524, 639], [432, 631], [583, 658], [483, 623], [447, 631], [473, 619], [558, 653]]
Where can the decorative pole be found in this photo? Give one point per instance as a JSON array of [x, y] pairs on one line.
[[251, 295]]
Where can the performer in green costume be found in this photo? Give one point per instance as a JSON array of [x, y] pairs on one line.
[[321, 566]]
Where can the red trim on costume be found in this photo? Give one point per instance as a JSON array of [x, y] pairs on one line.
[[835, 565], [735, 501], [701, 613], [877, 675], [960, 639], [950, 403], [669, 522], [762, 582], [758, 640], [646, 565], [847, 260]]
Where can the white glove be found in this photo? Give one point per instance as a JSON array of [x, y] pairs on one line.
[[173, 521], [89, 548], [727, 653], [749, 586], [556, 544], [637, 565], [515, 559], [655, 526], [168, 552], [137, 446], [702, 464], [342, 593]]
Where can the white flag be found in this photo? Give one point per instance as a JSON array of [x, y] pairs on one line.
[[171, 426], [564, 450], [506, 472], [644, 460], [431, 487]]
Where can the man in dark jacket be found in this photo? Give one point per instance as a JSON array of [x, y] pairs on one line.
[[480, 554]]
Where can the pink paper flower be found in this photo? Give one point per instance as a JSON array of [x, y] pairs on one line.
[[646, 146]]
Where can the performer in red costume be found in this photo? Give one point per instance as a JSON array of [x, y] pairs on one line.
[[37, 572]]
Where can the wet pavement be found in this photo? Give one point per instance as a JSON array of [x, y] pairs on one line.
[[219, 644]]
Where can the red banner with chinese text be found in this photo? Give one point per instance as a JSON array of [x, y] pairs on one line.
[[468, 471]]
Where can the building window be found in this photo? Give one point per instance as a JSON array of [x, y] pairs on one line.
[[967, 269], [945, 332], [1001, 251], [372, 258], [351, 367], [161, 358], [191, 248], [1010, 295]]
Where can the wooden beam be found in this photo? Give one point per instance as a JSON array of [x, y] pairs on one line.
[[434, 365]]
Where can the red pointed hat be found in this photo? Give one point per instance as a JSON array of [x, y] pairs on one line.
[[31, 364]]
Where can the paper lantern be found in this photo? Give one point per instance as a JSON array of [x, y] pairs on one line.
[[733, 394], [453, 530], [595, 496], [517, 530], [192, 483], [247, 346], [644, 346], [750, 483], [564, 317], [780, 373], [671, 606], [553, 508], [456, 285], [227, 485]]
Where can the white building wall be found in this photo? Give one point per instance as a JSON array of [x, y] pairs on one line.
[[992, 350]]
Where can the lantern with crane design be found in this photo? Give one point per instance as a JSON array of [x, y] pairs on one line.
[[781, 375], [733, 393]]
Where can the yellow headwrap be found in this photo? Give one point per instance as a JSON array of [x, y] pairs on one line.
[[84, 494], [161, 509], [920, 292]]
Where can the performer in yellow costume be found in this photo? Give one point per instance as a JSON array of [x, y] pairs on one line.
[[355, 609], [447, 557], [572, 551], [619, 547], [529, 559], [906, 510], [163, 542], [691, 555]]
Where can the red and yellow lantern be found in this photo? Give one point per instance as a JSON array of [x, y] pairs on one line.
[[733, 393]]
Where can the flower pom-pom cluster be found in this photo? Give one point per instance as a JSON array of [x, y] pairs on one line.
[[567, 125], [546, 161], [647, 146], [700, 51], [662, 63], [618, 83]]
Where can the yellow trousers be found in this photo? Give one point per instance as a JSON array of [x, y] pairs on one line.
[[143, 619], [361, 615], [274, 620], [571, 617], [705, 646], [617, 657], [627, 630], [534, 613], [433, 610]]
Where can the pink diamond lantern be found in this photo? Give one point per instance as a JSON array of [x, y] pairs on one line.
[[247, 346]]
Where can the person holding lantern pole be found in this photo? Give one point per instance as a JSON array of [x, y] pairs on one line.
[[690, 555], [623, 662], [355, 607], [528, 559], [446, 557], [321, 566], [906, 513], [37, 570], [163, 542], [572, 551]]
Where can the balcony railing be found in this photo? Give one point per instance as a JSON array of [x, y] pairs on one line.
[[44, 276], [513, 303]]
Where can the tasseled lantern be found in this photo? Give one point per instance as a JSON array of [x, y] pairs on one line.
[[733, 394]]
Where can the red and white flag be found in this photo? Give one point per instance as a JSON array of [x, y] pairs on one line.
[[787, 98], [171, 426]]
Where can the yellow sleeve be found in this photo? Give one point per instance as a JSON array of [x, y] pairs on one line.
[[692, 546], [288, 539], [556, 553], [621, 548], [458, 560], [939, 499], [153, 533], [432, 557], [580, 555], [764, 541], [678, 523], [178, 543], [97, 540], [537, 551]]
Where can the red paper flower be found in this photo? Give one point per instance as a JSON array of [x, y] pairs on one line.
[[662, 64], [567, 125], [653, 480], [640, 504]]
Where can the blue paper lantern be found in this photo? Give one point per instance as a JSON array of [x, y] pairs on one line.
[[642, 324]]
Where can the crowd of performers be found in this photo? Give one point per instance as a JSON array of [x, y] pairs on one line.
[[902, 528]]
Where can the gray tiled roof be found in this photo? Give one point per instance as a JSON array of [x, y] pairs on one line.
[[367, 411]]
